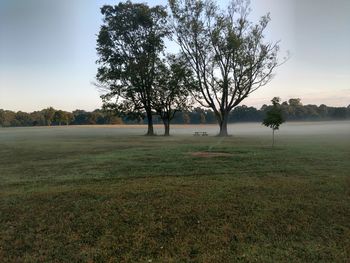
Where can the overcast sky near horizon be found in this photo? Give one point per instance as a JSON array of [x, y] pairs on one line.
[[47, 52]]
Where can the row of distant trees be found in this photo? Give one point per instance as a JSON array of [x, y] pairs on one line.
[[51, 116], [292, 110]]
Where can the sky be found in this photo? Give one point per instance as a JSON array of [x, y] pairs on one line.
[[47, 52]]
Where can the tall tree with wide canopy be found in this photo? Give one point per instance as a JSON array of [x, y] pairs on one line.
[[173, 84], [227, 53], [129, 44]]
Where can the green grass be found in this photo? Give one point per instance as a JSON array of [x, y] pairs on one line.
[[71, 196]]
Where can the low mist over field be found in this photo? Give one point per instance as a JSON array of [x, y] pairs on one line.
[[289, 129], [109, 192]]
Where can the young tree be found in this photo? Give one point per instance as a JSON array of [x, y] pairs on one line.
[[227, 53], [172, 89], [129, 44], [274, 117]]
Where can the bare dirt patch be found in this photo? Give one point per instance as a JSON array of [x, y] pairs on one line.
[[210, 154]]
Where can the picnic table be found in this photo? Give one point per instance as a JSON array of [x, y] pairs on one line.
[[197, 133]]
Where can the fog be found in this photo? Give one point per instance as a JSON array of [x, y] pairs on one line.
[[339, 130], [257, 129]]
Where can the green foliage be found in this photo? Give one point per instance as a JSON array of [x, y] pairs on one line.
[[274, 117], [49, 115], [173, 86], [129, 45], [190, 116], [227, 53], [60, 117]]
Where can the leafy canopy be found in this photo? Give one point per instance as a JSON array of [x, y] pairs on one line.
[[129, 45], [274, 117], [174, 82], [227, 53]]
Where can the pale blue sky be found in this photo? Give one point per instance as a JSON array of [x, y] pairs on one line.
[[47, 52]]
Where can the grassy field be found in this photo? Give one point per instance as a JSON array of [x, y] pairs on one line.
[[106, 194]]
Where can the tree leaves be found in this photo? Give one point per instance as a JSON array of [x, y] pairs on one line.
[[274, 117], [129, 45], [227, 53]]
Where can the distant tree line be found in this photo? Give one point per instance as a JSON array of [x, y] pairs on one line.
[[53, 117], [292, 110]]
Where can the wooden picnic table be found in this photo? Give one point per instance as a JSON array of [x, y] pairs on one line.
[[197, 133]]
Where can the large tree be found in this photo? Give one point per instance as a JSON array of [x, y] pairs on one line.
[[227, 53], [172, 89], [129, 45]]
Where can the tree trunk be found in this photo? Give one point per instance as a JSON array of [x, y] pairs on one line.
[[273, 138], [223, 126], [166, 127], [150, 131]]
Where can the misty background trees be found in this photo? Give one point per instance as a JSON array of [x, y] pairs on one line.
[[291, 111]]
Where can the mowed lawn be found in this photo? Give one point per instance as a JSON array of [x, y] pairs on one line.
[[109, 194]]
